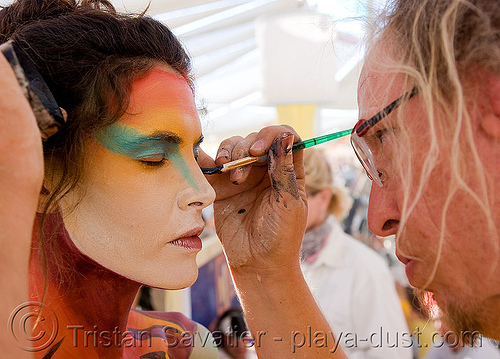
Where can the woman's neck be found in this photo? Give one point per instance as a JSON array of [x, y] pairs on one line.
[[90, 302]]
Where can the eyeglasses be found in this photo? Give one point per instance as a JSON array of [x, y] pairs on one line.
[[360, 146]]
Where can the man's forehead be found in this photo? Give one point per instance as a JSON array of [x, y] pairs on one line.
[[375, 69], [370, 94], [379, 84]]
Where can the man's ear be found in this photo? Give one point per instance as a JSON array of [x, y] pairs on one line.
[[491, 119]]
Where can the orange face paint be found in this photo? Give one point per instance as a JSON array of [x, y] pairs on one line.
[[141, 182]]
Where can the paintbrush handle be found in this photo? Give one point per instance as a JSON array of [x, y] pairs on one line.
[[252, 159], [242, 162]]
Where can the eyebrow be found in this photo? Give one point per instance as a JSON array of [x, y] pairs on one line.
[[171, 137], [165, 136]]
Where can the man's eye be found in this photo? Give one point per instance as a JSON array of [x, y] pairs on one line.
[[196, 152], [153, 160], [380, 134]]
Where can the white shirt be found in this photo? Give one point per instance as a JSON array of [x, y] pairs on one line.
[[356, 292], [485, 349]]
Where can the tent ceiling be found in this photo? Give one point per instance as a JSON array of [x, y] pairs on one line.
[[220, 37]]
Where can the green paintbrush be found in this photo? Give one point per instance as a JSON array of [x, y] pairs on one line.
[[296, 146]]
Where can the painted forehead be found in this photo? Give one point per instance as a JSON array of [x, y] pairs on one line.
[[161, 117], [160, 101], [162, 89]]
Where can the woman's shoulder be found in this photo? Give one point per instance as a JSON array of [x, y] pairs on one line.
[[153, 318], [169, 335]]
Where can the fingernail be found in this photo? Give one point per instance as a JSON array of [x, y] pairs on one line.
[[257, 146], [223, 153], [237, 173], [287, 143]]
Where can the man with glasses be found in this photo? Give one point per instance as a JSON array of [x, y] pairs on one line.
[[433, 153], [429, 137]]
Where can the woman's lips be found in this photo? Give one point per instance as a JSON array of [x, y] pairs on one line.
[[192, 243]]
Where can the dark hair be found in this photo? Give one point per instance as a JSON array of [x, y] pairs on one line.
[[88, 54]]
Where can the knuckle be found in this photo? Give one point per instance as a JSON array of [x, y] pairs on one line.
[[230, 142], [241, 149], [252, 136], [290, 129]]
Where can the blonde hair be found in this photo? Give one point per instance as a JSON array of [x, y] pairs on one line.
[[439, 46], [319, 176]]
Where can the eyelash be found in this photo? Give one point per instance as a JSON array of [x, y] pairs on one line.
[[159, 163], [380, 135], [163, 159]]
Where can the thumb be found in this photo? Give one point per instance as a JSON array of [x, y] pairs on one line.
[[204, 160], [281, 170]]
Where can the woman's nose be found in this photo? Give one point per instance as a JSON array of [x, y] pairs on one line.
[[197, 193]]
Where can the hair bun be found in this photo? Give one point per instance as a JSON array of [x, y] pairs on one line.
[[24, 12]]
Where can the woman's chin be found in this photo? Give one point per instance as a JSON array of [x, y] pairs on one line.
[[170, 281]]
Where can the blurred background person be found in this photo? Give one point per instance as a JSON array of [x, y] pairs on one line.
[[351, 282]]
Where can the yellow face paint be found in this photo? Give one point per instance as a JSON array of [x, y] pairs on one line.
[[143, 190], [135, 144]]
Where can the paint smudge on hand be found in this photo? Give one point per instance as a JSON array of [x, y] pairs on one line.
[[283, 181]]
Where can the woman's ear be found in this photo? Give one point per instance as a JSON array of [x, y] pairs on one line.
[[491, 119]]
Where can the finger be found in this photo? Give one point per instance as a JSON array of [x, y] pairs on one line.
[[225, 150], [205, 160], [241, 150], [267, 135], [281, 169]]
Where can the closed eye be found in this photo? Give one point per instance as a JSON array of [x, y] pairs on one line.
[[154, 160]]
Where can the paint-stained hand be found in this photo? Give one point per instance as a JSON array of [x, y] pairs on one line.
[[261, 210]]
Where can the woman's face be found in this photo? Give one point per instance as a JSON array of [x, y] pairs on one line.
[[138, 210]]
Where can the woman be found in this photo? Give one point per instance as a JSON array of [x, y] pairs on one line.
[[131, 126], [122, 194]]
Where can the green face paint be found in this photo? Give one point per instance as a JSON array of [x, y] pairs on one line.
[[130, 142]]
